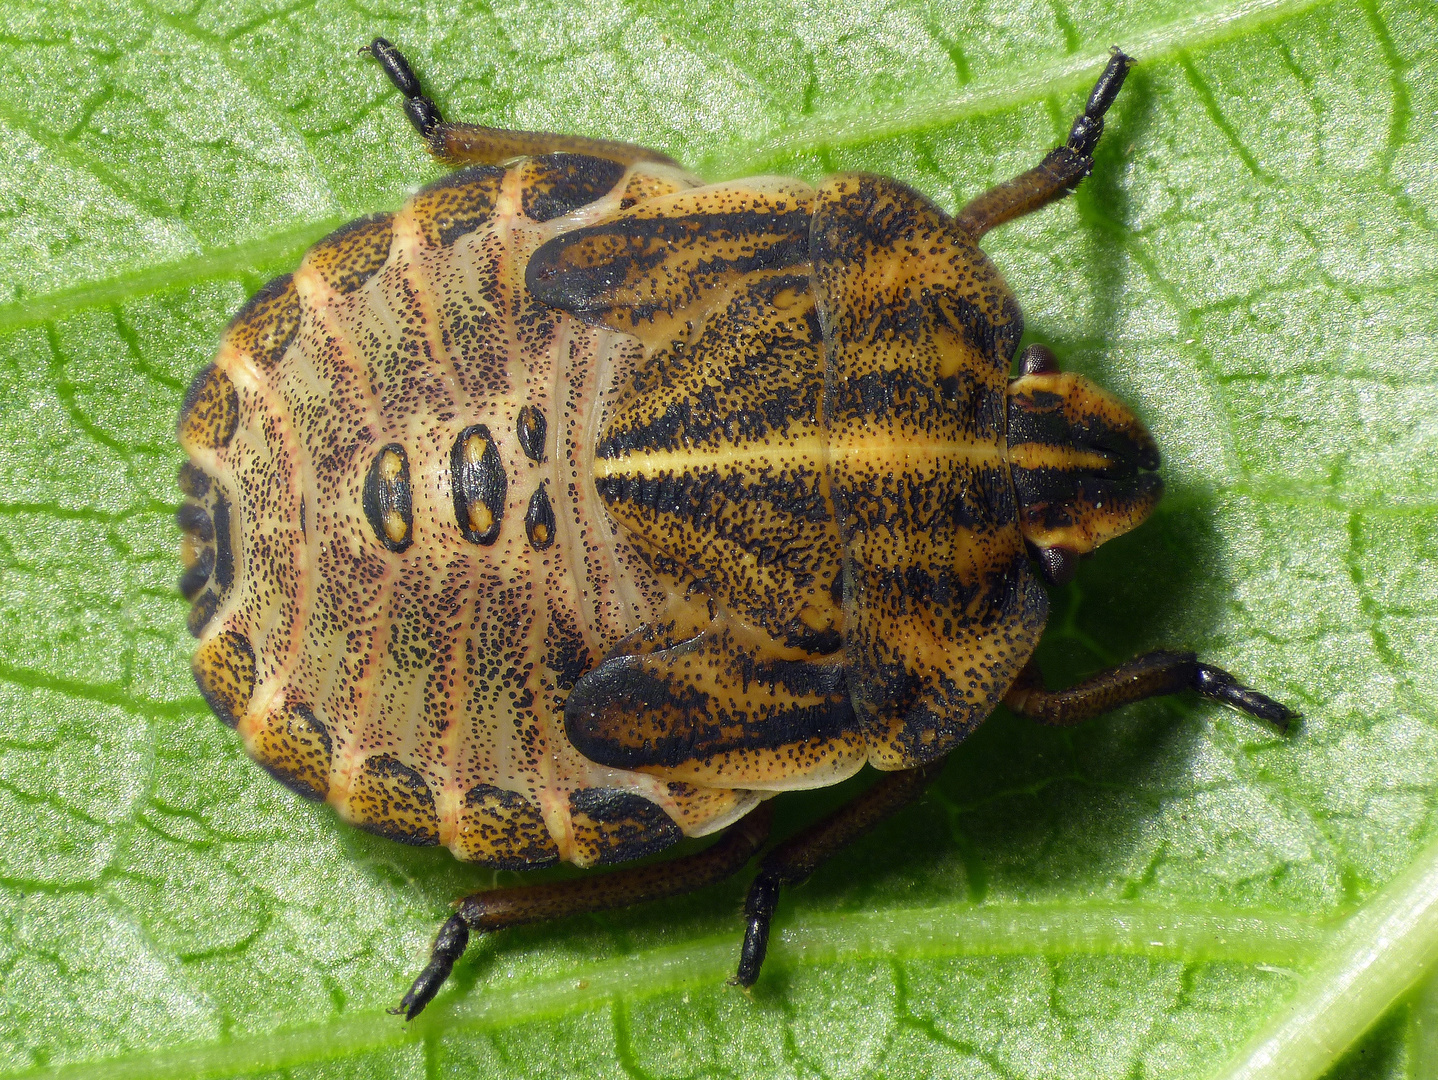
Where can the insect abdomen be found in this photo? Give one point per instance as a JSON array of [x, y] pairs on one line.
[[420, 566]]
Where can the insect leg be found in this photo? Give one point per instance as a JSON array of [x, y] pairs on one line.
[[474, 144], [1060, 171], [496, 909], [796, 858], [1149, 675]]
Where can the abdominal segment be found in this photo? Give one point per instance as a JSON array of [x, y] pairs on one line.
[[399, 564]]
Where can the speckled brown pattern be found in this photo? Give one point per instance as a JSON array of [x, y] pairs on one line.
[[574, 507], [713, 454], [502, 829], [388, 797], [266, 325], [224, 670], [612, 825], [731, 707], [650, 269], [942, 609], [555, 184], [210, 412], [398, 654], [349, 256], [642, 185], [825, 464], [295, 747], [456, 205]]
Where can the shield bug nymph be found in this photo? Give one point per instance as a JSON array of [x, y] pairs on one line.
[[578, 506]]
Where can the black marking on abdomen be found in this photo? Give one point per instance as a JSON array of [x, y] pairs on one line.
[[201, 612], [555, 184], [539, 519], [194, 481], [480, 485], [194, 578], [193, 519], [511, 825], [566, 653], [387, 501], [457, 204], [224, 553], [636, 826], [352, 254], [531, 426], [301, 717], [268, 323], [408, 807]]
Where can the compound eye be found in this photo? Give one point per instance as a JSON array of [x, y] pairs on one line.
[[1038, 360], [387, 500], [480, 485], [1057, 564]]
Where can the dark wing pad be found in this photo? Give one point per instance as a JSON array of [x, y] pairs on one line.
[[727, 708], [649, 269]]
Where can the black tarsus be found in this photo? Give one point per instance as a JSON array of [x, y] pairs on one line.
[[1084, 134], [449, 946], [422, 112], [759, 908], [395, 66], [498, 909], [1219, 685], [1061, 170], [795, 859], [476, 144]]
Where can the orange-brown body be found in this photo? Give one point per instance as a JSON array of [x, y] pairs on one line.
[[577, 507]]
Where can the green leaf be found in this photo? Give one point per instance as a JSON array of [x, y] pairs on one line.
[[1253, 266]]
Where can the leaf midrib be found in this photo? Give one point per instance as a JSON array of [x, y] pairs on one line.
[[1165, 42], [1076, 70], [1181, 934]]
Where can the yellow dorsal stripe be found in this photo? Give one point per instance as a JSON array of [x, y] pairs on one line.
[[1053, 456], [811, 450]]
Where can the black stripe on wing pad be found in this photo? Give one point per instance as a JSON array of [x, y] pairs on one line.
[[584, 271], [628, 714]]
